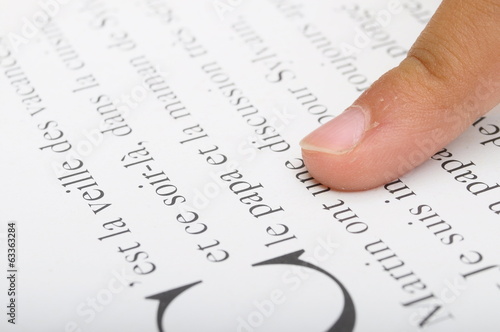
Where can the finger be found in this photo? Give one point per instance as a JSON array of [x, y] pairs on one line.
[[450, 77]]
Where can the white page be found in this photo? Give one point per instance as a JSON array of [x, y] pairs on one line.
[[172, 150]]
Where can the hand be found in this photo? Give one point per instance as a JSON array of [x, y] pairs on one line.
[[450, 77]]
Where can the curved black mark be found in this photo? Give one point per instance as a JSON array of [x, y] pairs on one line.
[[345, 323], [165, 299], [347, 318]]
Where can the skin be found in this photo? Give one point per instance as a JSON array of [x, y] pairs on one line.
[[450, 77]]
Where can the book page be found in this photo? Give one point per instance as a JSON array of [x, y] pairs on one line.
[[151, 177]]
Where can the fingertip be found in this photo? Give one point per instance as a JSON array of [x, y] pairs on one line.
[[413, 110], [340, 172]]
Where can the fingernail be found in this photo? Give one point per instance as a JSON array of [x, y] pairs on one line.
[[338, 135]]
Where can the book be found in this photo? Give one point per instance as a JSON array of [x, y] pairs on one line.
[[152, 179]]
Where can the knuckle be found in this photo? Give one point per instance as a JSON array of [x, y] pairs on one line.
[[440, 61]]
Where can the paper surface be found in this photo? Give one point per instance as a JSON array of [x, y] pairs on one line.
[[151, 175]]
